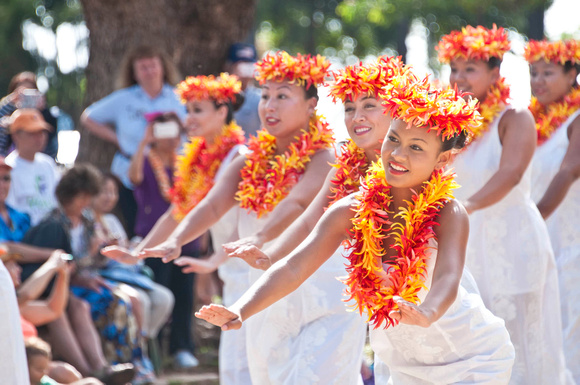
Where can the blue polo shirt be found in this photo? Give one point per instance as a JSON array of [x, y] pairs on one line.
[[125, 110], [20, 225]]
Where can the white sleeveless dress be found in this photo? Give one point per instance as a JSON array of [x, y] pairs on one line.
[[564, 228], [13, 364], [310, 336], [510, 256], [467, 345], [233, 361]]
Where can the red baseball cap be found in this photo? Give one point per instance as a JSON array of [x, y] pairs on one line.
[[28, 119]]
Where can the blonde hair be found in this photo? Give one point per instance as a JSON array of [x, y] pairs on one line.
[[126, 76]]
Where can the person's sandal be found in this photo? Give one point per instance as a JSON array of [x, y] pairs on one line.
[[119, 374]]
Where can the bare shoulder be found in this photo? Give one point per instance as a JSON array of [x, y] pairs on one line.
[[451, 215], [574, 126], [517, 116], [325, 155], [342, 211]]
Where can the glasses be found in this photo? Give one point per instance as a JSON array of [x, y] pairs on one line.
[[5, 178]]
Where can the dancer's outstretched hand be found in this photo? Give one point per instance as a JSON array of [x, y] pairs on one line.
[[411, 314], [168, 251], [195, 265], [220, 316], [120, 254], [252, 255], [253, 240]]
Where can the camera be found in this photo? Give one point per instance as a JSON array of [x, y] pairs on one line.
[[165, 130], [30, 98]]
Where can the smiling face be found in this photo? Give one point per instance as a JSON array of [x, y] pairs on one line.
[[204, 119], [549, 82], [284, 109], [473, 76], [410, 155], [366, 122]]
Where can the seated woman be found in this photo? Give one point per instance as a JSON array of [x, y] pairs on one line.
[[156, 300], [69, 229], [35, 312]]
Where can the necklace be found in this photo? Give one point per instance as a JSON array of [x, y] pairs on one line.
[[268, 178], [351, 165], [549, 118], [197, 167], [371, 226], [163, 181]]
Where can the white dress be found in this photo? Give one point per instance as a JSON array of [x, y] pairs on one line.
[[564, 228], [467, 345], [310, 336], [13, 365], [510, 256], [233, 362]]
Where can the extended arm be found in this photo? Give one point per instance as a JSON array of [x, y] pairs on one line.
[[30, 254], [215, 204], [288, 274], [291, 237], [138, 160], [518, 137], [33, 287], [568, 173]]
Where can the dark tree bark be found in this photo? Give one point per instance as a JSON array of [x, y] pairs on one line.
[[195, 33], [536, 23]]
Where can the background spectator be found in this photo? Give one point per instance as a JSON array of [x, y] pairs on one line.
[[146, 84], [34, 174], [241, 60]]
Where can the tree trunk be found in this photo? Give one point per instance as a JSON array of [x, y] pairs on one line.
[[196, 35]]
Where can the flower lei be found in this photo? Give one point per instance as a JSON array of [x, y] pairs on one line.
[[475, 43], [371, 226], [197, 167], [268, 178], [221, 89], [161, 176], [549, 118], [494, 103], [351, 165], [301, 70]]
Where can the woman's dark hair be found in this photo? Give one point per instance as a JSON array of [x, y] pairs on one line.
[[493, 62], [231, 106], [82, 178], [569, 66], [108, 175], [455, 143], [311, 92]]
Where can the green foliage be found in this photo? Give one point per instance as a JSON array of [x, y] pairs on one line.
[[372, 27]]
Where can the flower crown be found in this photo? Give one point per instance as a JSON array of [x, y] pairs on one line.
[[556, 51], [421, 104], [474, 44], [222, 89], [303, 70], [355, 80]]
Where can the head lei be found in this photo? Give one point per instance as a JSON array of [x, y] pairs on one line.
[[558, 52], [222, 89], [421, 104], [302, 70], [473, 44], [371, 78]]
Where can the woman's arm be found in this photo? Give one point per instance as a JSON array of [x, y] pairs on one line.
[[568, 173], [289, 239], [33, 287], [517, 134], [30, 254], [43, 312], [100, 130], [452, 234], [216, 204], [288, 274], [138, 160]]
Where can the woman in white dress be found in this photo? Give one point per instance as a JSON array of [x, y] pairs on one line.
[[406, 235], [216, 140], [509, 250], [278, 177], [339, 355], [554, 67]]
